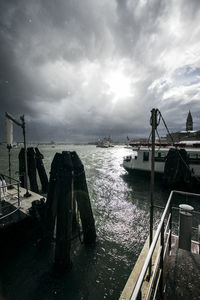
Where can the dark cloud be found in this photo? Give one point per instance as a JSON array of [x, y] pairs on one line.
[[83, 69]]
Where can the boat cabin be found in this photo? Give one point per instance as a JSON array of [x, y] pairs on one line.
[[141, 159]]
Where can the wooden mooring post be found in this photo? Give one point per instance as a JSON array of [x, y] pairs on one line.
[[32, 170], [21, 157], [81, 195], [51, 203], [66, 186], [64, 213], [41, 170], [34, 165]]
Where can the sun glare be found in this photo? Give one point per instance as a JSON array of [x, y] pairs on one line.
[[118, 85]]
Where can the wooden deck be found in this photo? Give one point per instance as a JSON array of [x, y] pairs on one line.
[[132, 280], [187, 261], [10, 204], [183, 276]]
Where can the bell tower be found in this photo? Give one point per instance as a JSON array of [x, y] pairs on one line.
[[189, 122]]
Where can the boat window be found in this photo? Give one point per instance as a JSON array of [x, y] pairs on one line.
[[194, 158], [193, 155], [160, 157], [146, 156]]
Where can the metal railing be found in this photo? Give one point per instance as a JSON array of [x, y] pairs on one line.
[[10, 195], [164, 232]]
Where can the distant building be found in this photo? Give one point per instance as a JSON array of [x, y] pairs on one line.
[[188, 134], [189, 122]]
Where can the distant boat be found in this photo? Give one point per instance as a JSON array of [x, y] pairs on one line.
[[15, 146], [102, 144], [128, 147], [105, 143]]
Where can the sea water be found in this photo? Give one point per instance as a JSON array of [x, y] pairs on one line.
[[120, 204]]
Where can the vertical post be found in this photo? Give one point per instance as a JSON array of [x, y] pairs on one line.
[[18, 194], [64, 214], [81, 195], [32, 169], [185, 226], [153, 124], [21, 167], [170, 227], [27, 194], [9, 147], [41, 170], [0, 198], [52, 198], [161, 259], [9, 140], [199, 237]]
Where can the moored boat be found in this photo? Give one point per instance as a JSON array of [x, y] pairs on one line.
[[183, 155]]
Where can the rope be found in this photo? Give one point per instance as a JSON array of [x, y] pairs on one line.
[[161, 117], [158, 137], [149, 138], [157, 123], [186, 165]]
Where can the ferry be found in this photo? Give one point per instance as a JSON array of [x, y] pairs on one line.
[[105, 143], [185, 155]]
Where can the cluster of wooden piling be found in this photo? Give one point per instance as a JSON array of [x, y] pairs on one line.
[[67, 209], [35, 165], [68, 193]]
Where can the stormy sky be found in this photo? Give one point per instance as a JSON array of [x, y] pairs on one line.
[[79, 70]]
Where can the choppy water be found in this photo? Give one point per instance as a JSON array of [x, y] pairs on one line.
[[120, 204]]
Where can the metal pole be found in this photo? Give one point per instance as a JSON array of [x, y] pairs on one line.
[[18, 195], [0, 200], [27, 194], [153, 124], [9, 162], [170, 227], [9, 116], [161, 259]]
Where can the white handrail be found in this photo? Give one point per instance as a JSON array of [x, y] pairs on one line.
[[4, 195], [154, 242]]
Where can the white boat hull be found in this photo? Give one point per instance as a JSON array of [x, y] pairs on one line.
[[137, 162]]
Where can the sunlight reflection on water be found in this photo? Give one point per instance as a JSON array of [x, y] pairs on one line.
[[120, 205]]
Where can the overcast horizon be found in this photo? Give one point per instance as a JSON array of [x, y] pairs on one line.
[[80, 70]]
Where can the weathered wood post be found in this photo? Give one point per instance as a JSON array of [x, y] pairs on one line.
[[21, 168], [82, 197], [51, 203], [74, 211], [41, 170], [64, 214], [67, 183], [32, 170]]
